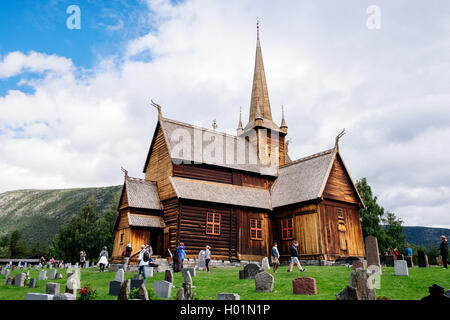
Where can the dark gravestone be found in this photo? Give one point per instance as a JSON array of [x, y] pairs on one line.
[[349, 293], [389, 261], [114, 288], [400, 257], [249, 271], [168, 276], [373, 255], [136, 283], [436, 293], [304, 285], [422, 259], [32, 283], [408, 261]]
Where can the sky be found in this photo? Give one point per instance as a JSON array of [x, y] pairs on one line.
[[75, 103]]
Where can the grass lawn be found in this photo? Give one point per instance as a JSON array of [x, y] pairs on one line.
[[330, 281]]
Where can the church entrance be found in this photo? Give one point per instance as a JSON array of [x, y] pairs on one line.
[[156, 240]]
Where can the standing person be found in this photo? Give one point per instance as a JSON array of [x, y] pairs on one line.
[[409, 253], [183, 255], [103, 259], [52, 261], [294, 257], [143, 260], [82, 258], [395, 253], [178, 258], [126, 256], [207, 257], [43, 260], [274, 256], [444, 251]]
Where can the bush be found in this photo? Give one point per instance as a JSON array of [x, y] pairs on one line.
[[133, 293], [87, 293]]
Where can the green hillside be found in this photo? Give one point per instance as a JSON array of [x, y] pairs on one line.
[[421, 236], [38, 214]]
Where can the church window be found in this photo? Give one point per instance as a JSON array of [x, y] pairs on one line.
[[256, 229], [213, 223], [287, 229]]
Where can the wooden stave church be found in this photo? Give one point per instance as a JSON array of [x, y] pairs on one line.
[[249, 206]]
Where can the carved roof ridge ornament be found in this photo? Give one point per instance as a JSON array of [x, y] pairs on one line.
[[125, 171], [157, 106], [336, 145]]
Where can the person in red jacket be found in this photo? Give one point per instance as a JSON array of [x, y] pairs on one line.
[[395, 253]]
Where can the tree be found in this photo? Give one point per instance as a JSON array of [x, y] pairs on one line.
[[87, 231], [17, 247], [371, 216], [394, 232]]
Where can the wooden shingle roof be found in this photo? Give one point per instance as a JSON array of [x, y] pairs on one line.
[[138, 220], [221, 193], [142, 194]]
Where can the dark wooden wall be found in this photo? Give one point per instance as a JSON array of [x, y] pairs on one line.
[[192, 230], [171, 215]]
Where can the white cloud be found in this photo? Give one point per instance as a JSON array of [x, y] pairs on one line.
[[387, 87]]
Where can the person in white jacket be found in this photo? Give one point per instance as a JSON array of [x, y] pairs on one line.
[[141, 263]]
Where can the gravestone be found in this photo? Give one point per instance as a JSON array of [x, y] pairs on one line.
[[190, 270], [409, 262], [359, 279], [125, 290], [304, 285], [7, 272], [120, 276], [59, 276], [436, 294], [447, 293], [372, 252], [423, 259], [9, 280], [401, 268], [149, 272], [265, 263], [163, 289], [136, 283], [114, 286], [142, 293], [137, 277], [19, 280], [73, 283], [349, 293], [180, 294], [52, 274], [201, 264], [187, 278], [32, 283], [168, 276], [86, 265], [389, 261], [64, 296], [38, 296], [228, 296], [357, 264], [43, 275], [263, 282], [52, 288], [400, 257], [249, 272]]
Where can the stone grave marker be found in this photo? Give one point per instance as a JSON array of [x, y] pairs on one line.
[[52, 274], [349, 293], [163, 289], [401, 268], [263, 282], [7, 273], [38, 296], [52, 288], [304, 285], [409, 262], [180, 294], [73, 283], [400, 257], [142, 293], [389, 261], [187, 278], [357, 264], [19, 280], [436, 294], [190, 270], [359, 280], [201, 263], [372, 252], [249, 272], [168, 276], [149, 271], [265, 263], [423, 259], [125, 290], [136, 283], [447, 293], [114, 286], [32, 283], [228, 296], [64, 296]]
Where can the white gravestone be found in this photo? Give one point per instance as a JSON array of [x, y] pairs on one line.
[[265, 263], [201, 265], [401, 268]]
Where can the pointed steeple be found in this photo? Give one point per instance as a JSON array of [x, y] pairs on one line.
[[240, 129], [260, 92], [283, 126]]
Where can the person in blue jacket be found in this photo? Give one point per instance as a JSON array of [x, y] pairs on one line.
[[294, 258], [274, 256]]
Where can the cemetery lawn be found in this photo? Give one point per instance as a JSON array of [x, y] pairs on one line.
[[330, 281]]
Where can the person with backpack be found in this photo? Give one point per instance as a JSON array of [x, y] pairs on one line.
[[103, 259], [126, 253], [143, 259]]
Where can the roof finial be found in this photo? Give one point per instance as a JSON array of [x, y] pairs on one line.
[[157, 106], [214, 124], [336, 145], [124, 171], [257, 27]]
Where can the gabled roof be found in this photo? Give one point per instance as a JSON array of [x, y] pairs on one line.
[[141, 194], [221, 193], [305, 179], [186, 143], [139, 220]]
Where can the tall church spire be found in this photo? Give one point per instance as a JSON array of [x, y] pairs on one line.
[[260, 93]]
